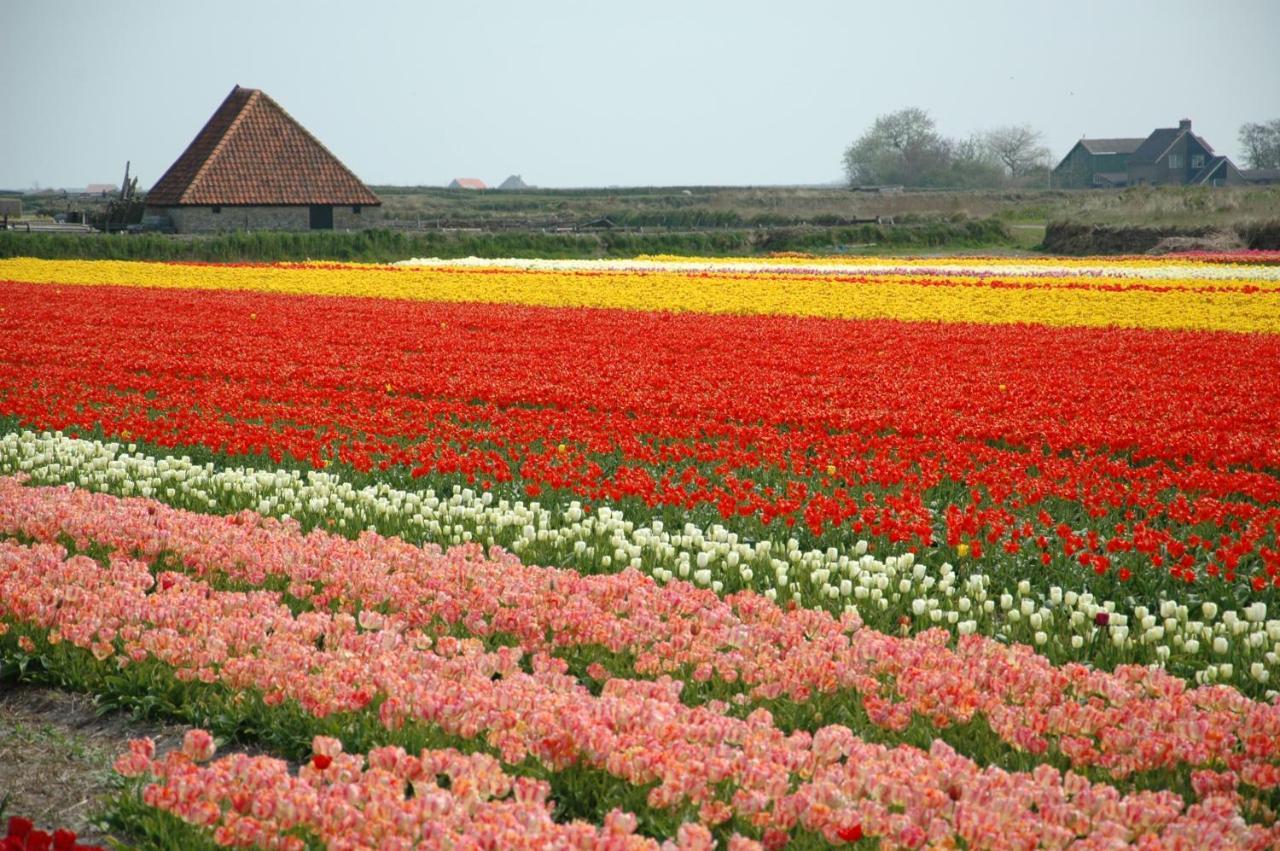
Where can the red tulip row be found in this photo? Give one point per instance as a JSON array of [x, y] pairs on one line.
[[1255, 257], [990, 438]]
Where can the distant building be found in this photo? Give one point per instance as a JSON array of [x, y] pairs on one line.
[[1096, 163], [513, 182], [101, 189], [1172, 156], [253, 167], [467, 183], [1176, 156]]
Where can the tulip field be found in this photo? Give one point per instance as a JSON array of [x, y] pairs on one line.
[[787, 552]]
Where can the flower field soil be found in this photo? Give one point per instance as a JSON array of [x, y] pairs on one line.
[[781, 552]]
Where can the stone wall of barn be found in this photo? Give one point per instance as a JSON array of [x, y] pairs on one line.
[[346, 217], [290, 218]]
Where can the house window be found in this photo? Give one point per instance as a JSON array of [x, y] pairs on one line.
[[216, 209], [1197, 161], [355, 208], [1175, 161]]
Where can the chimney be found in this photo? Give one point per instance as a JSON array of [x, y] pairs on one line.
[[1184, 124]]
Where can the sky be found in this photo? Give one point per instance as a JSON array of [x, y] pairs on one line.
[[601, 93]]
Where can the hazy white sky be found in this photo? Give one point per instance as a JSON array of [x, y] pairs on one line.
[[602, 93]]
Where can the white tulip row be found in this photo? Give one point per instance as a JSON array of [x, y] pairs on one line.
[[893, 591], [868, 266]]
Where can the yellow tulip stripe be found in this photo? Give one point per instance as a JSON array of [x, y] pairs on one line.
[[1125, 265], [1236, 303]]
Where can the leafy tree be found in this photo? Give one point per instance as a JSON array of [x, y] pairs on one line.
[[1261, 143], [905, 148], [1018, 148], [973, 165], [902, 147]]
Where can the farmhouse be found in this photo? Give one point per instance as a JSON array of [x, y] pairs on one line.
[[467, 183], [1170, 156], [254, 167], [1096, 163]]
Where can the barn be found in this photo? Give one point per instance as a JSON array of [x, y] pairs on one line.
[[254, 167]]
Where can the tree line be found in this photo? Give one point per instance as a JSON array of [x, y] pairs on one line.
[[1261, 144], [904, 148]]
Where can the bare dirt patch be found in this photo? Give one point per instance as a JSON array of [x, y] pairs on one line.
[[56, 754], [1212, 241]]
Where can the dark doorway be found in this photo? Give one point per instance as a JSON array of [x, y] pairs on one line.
[[321, 217]]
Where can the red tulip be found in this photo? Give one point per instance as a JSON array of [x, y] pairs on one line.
[[850, 834]]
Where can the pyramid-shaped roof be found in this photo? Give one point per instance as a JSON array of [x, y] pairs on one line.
[[253, 152]]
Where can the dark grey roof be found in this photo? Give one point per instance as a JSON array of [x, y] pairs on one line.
[[1156, 144], [1111, 146]]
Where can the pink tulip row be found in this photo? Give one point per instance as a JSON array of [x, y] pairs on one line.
[[828, 781], [1132, 719], [394, 800], [390, 800]]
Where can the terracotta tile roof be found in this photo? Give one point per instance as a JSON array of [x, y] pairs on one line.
[[467, 183], [253, 152]]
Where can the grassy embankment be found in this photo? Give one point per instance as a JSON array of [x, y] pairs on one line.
[[379, 246], [428, 221]]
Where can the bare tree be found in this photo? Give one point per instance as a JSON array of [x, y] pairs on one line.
[[1018, 148], [1261, 143]]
